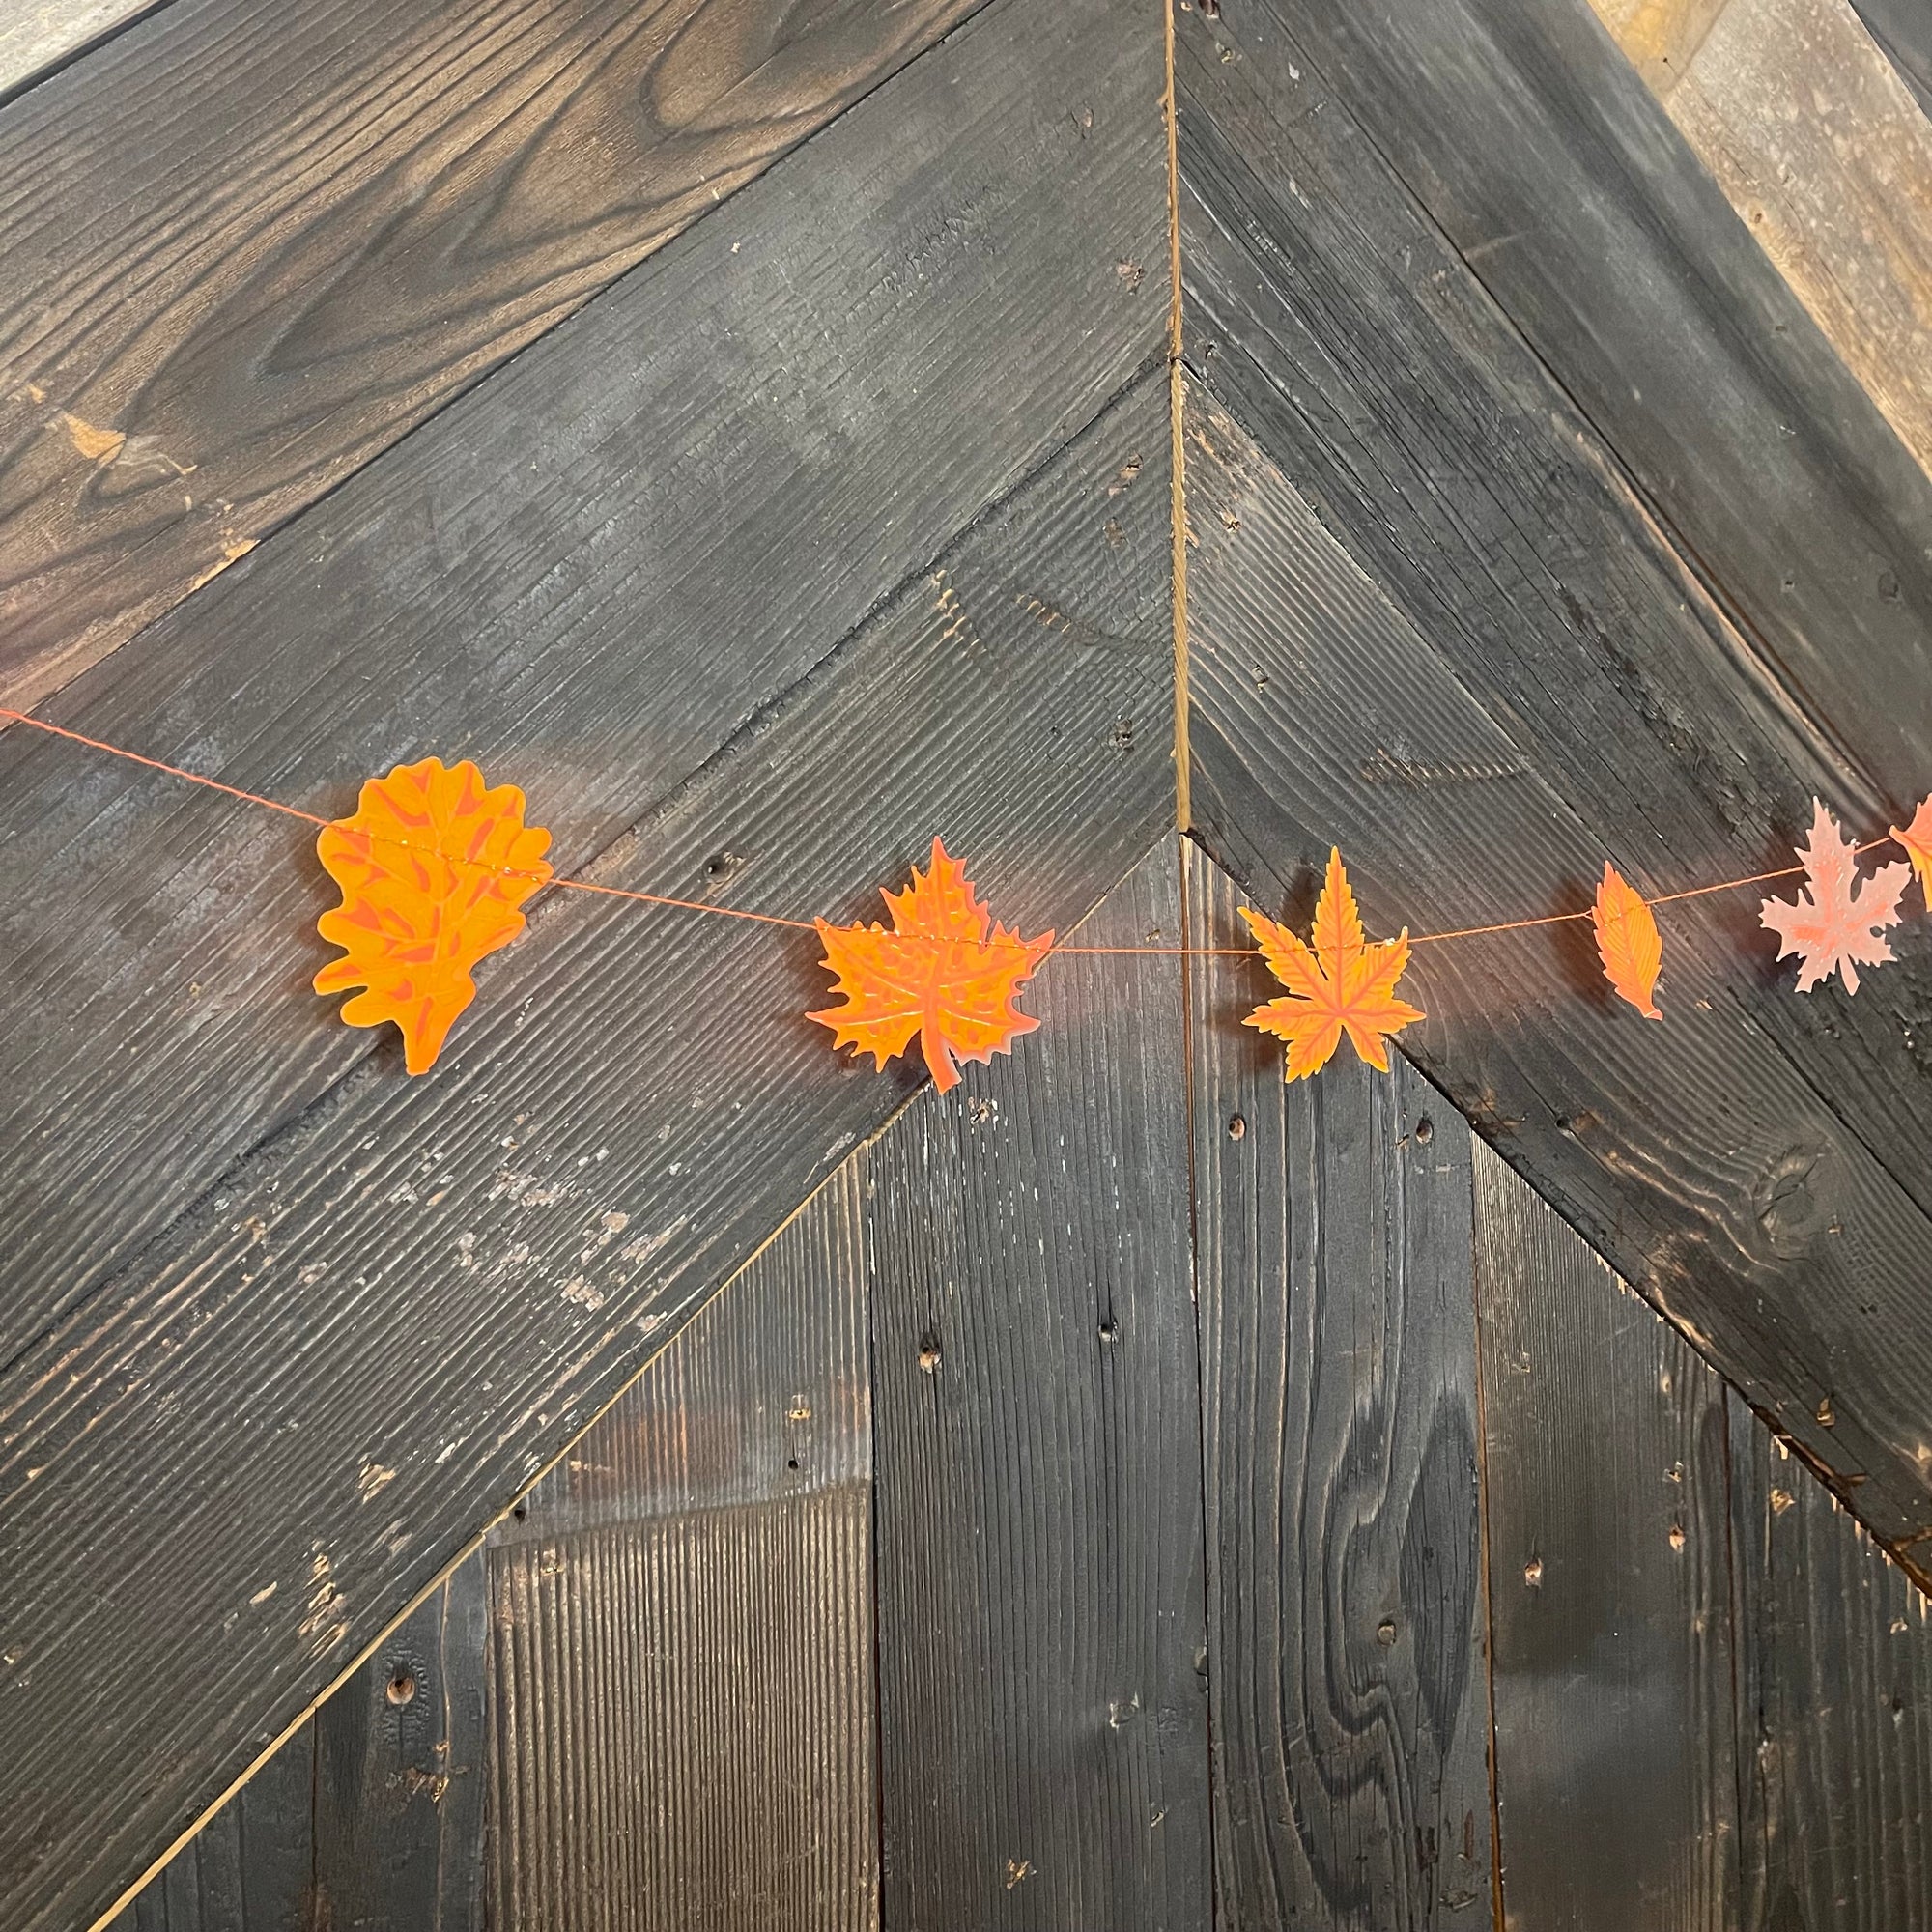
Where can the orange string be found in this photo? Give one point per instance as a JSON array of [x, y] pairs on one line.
[[383, 838], [808, 925]]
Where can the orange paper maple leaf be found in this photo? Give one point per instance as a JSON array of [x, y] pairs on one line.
[[1628, 941], [939, 973], [433, 866], [1342, 984], [1839, 918], [1917, 838]]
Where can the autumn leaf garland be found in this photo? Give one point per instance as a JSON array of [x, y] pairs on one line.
[[434, 866]]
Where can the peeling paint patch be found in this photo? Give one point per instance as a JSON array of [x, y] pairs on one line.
[[375, 1478], [96, 445]]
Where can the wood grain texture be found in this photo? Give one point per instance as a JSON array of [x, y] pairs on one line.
[[1826, 158], [1558, 176], [1609, 1589], [1429, 619], [250, 245], [401, 1774], [1348, 1690], [427, 1277], [587, 575], [37, 36], [1042, 1726], [681, 1639], [1835, 1724], [251, 1869], [686, 1721], [1902, 28]]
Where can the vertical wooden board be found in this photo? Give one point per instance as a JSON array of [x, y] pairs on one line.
[[399, 1775], [1348, 1683], [684, 1711], [1834, 1726], [251, 1867], [681, 1628], [1042, 1735], [1610, 1588]]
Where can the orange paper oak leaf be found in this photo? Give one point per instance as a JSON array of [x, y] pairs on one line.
[[1341, 984], [433, 866], [1839, 918], [1917, 838], [1628, 941], [939, 973]]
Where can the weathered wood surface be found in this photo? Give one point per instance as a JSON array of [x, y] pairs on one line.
[[1348, 1680], [1904, 30], [251, 1869], [1826, 158], [1430, 622], [1835, 1720], [1043, 1743], [371, 1814], [1609, 1589], [393, 1229], [36, 36], [1559, 179], [588, 609], [401, 1774], [407, 196], [681, 1637]]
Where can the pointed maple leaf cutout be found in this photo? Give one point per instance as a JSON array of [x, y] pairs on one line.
[[433, 865], [1838, 917], [1342, 985], [1628, 941], [939, 973], [1917, 838]]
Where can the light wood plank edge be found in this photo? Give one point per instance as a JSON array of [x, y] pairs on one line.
[[1822, 149], [38, 38]]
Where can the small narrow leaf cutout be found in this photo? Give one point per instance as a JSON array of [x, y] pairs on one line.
[[433, 866], [1917, 838], [1341, 984], [1628, 941], [1838, 918], [940, 973]]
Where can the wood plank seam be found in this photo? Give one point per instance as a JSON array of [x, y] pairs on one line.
[[1497, 1920], [39, 68], [1178, 453]]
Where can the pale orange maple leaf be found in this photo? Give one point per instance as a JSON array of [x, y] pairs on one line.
[[1341, 984], [939, 973], [1917, 838], [433, 866], [1839, 918], [1628, 941]]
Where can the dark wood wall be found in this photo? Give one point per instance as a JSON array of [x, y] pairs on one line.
[[1128, 1491], [990, 1552]]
